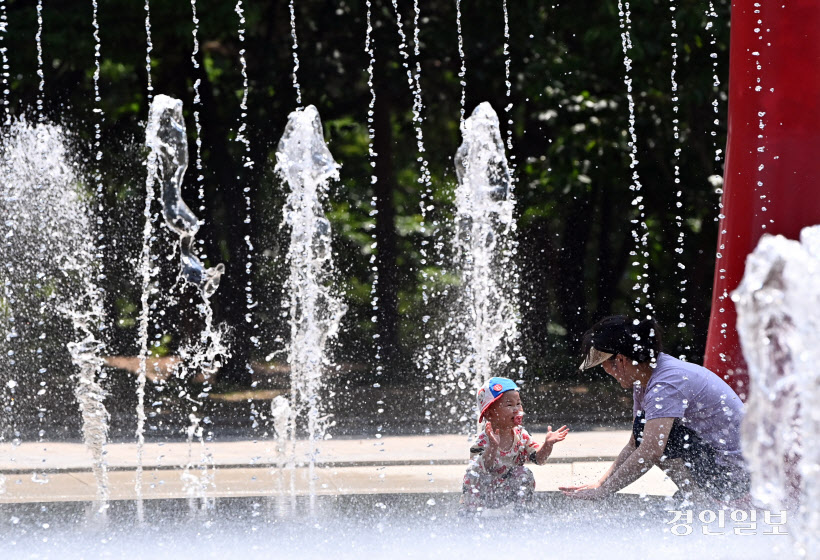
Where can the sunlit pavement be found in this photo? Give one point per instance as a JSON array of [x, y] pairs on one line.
[[58, 471]]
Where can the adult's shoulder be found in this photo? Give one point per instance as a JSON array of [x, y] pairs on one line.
[[671, 367]]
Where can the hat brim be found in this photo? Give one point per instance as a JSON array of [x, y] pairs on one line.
[[486, 406], [594, 358]]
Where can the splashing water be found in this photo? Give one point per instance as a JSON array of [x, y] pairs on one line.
[[283, 418], [48, 245], [778, 323], [304, 162], [168, 159], [86, 354], [196, 485], [168, 142], [487, 318]]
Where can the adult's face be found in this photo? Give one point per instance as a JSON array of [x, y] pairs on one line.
[[617, 367]]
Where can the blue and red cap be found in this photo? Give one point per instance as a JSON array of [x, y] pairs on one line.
[[491, 391]]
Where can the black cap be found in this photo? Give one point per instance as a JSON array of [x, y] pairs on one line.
[[617, 334]]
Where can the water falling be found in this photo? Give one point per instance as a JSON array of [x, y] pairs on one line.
[[711, 16], [486, 321], [147, 271], [7, 426], [295, 55], [716, 180], [507, 82], [761, 115], [197, 105], [680, 267], [777, 307], [304, 162], [247, 163], [4, 71], [424, 180], [462, 72], [371, 154], [39, 39], [641, 260], [49, 246], [149, 46], [98, 111]]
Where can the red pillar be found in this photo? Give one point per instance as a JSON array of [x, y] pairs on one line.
[[774, 80]]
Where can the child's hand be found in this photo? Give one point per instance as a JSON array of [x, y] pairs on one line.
[[493, 441], [554, 437], [493, 437]]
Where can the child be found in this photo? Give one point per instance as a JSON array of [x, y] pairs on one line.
[[497, 475]]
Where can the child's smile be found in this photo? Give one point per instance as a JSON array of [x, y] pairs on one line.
[[507, 412]]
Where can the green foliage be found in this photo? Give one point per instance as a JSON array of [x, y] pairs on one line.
[[569, 115]]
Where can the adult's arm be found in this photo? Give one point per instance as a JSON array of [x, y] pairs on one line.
[[625, 453], [655, 436], [622, 456]]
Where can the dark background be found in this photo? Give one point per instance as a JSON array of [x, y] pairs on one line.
[[575, 209]]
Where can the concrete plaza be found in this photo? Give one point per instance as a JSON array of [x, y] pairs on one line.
[[60, 471]]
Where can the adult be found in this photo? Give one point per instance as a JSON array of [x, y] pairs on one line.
[[686, 418]]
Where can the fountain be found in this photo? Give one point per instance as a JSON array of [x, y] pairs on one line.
[[315, 310], [483, 325], [167, 141], [50, 271], [778, 327], [246, 481]]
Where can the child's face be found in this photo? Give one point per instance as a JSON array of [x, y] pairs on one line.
[[503, 412]]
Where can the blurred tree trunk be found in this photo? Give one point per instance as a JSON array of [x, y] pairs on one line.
[[387, 289], [608, 272], [570, 296]]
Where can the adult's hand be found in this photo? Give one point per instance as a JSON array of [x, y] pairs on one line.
[[582, 493], [570, 489]]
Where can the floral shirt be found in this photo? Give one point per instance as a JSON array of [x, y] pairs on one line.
[[523, 449]]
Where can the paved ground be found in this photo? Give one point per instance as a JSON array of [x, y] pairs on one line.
[[54, 471]]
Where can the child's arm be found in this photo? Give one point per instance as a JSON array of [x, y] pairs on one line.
[[484, 452], [552, 438], [490, 452]]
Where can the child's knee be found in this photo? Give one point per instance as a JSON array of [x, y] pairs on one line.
[[525, 480]]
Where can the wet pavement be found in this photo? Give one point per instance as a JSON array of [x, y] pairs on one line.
[[61, 471]]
